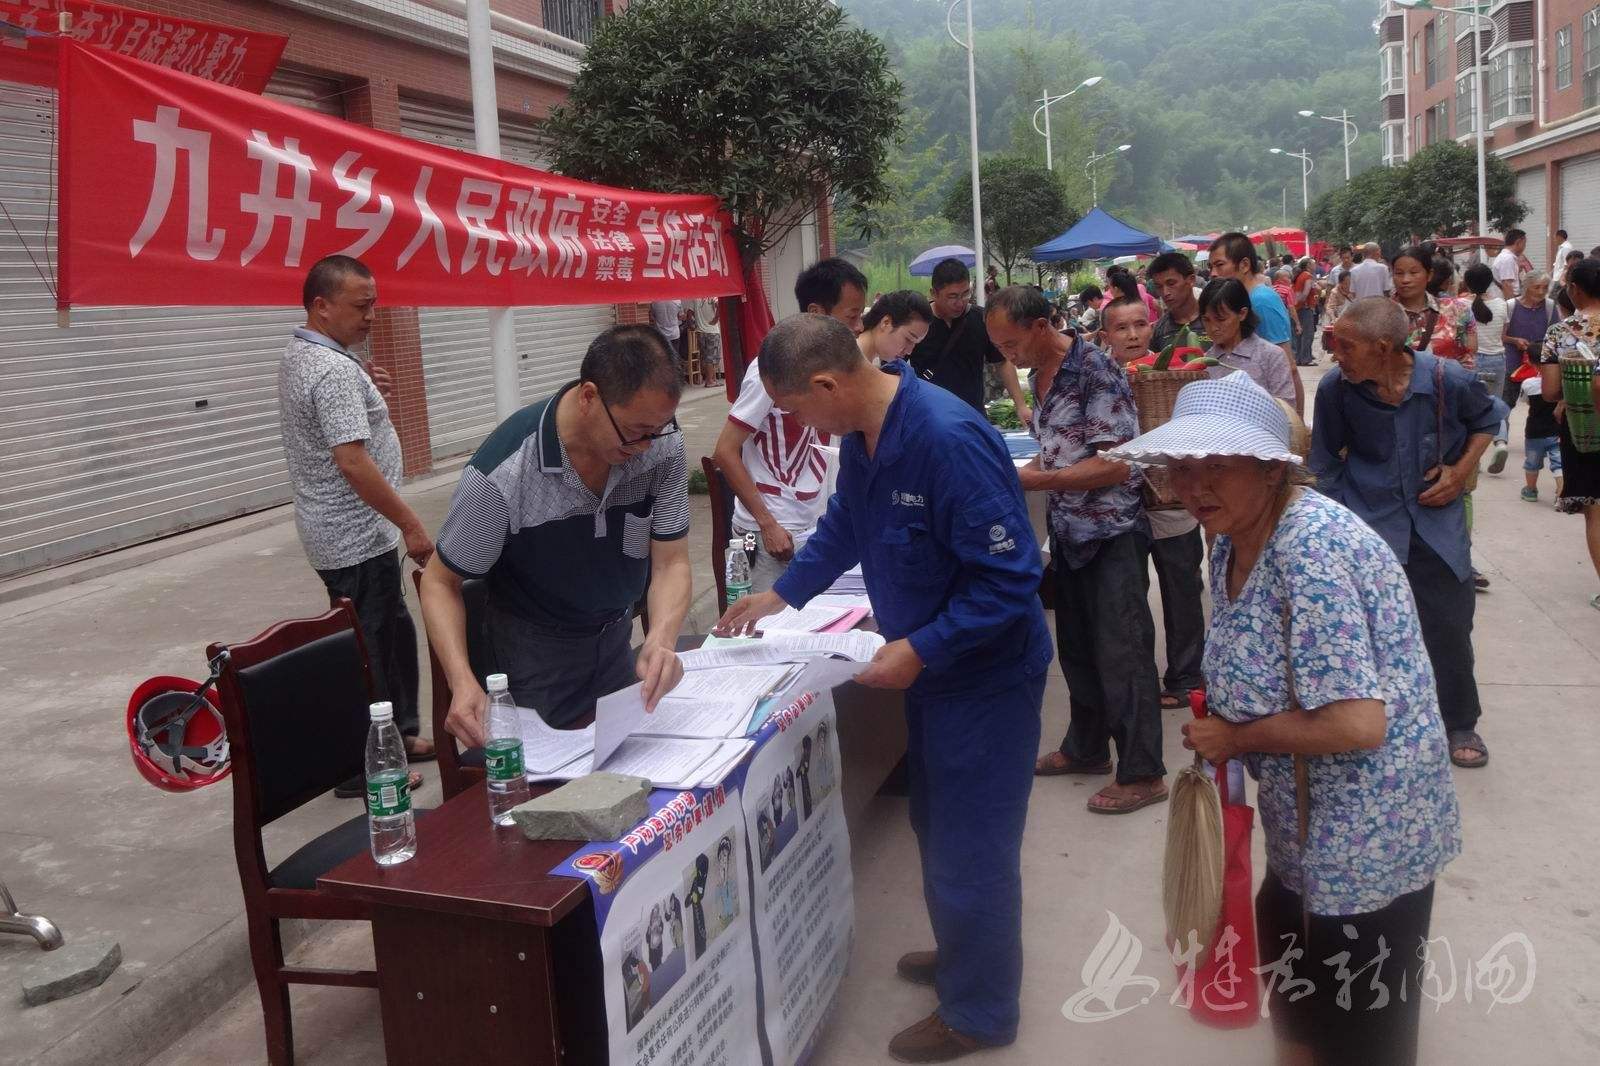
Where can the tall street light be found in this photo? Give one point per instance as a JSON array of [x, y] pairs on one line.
[[1350, 133], [1307, 165], [1044, 109], [1094, 179], [1477, 95], [970, 44]]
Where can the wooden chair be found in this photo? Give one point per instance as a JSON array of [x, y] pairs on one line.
[[295, 702], [721, 523], [691, 362], [455, 775]]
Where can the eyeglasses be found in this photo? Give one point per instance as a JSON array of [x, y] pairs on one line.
[[666, 431]]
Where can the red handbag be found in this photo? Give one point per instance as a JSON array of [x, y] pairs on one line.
[[1226, 990]]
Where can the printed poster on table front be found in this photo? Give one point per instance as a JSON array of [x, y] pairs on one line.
[[804, 906], [672, 903]]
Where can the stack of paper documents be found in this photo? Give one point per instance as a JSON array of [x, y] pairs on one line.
[[850, 583], [857, 645]]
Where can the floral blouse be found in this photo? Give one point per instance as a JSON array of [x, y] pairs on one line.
[[1451, 330], [1383, 822], [1564, 337]]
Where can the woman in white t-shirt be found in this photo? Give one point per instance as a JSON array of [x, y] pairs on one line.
[[1491, 312]]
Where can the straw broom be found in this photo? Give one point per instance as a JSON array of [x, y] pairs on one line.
[[1191, 873]]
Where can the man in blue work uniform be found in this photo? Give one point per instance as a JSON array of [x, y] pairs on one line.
[[928, 503]]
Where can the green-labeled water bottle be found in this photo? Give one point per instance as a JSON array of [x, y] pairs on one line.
[[502, 753], [391, 827], [737, 574]]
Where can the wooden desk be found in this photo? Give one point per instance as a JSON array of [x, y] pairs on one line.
[[484, 956]]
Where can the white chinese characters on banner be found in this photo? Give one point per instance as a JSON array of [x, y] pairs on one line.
[[545, 231]]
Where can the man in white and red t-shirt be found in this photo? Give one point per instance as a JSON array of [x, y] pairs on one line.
[[767, 455]]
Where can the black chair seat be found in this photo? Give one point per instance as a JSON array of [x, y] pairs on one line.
[[323, 853]]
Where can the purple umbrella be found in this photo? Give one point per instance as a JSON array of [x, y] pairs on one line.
[[922, 266]]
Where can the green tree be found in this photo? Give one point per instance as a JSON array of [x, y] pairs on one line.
[[1022, 206], [763, 103], [1436, 192], [908, 218]]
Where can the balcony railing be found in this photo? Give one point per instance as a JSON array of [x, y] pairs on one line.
[[572, 19]]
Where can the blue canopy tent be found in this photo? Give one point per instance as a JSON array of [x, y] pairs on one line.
[[1098, 236], [922, 266], [1200, 240]]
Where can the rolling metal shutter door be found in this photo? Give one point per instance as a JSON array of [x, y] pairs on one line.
[[1531, 191], [1580, 201], [102, 444], [455, 340]]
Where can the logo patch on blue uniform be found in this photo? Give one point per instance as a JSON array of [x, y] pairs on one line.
[[999, 543], [906, 499]]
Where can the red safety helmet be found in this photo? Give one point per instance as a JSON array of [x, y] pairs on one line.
[[178, 745]]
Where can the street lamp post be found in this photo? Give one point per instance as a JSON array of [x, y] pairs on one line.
[[1307, 165], [970, 44], [1044, 109], [1477, 96], [1350, 133], [1094, 179]]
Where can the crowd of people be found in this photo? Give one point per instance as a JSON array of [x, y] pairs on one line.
[[1340, 586]]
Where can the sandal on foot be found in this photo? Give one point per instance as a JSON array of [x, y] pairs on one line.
[[1467, 740], [1054, 764], [420, 749], [1137, 800], [1172, 701]]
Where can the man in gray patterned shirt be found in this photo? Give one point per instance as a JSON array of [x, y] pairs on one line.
[[345, 466]]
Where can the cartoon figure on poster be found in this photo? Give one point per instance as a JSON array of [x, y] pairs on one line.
[[727, 890], [675, 919], [822, 772], [695, 896], [667, 961], [712, 892], [777, 825], [635, 986], [802, 771]]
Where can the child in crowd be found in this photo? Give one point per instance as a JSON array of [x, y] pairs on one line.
[[1543, 441]]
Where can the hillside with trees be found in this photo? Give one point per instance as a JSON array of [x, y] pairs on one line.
[[1202, 91]]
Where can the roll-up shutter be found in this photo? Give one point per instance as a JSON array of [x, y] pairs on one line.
[[455, 341], [1531, 191], [132, 422], [1580, 201]]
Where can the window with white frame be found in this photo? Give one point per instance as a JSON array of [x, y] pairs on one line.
[[1591, 57], [1564, 58], [1394, 70], [1466, 103], [1417, 141], [1430, 54], [1511, 84], [1394, 144], [1416, 53]]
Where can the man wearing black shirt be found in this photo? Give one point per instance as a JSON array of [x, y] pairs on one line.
[[1172, 274], [957, 346]]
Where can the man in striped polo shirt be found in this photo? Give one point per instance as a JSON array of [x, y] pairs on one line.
[[569, 509]]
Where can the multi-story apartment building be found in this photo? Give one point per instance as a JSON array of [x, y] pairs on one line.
[[1540, 66], [132, 423]]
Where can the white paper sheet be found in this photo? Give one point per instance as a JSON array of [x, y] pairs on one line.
[[707, 719], [814, 617], [546, 748], [616, 717], [857, 644], [730, 684]]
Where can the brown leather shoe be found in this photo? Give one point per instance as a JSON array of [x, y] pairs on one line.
[[918, 967], [930, 1040]]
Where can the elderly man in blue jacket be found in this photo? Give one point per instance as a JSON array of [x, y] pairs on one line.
[[929, 504]]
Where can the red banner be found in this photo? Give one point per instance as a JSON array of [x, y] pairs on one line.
[[228, 55], [180, 191]]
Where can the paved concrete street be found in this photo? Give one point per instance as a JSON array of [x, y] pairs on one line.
[[87, 842]]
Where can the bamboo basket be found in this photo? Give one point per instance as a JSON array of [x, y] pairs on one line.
[[1577, 389], [1155, 393]]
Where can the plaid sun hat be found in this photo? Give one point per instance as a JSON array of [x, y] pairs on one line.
[[1228, 416]]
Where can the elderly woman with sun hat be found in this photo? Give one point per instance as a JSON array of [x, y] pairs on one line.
[[1314, 655]]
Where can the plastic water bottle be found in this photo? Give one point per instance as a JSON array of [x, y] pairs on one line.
[[737, 575], [390, 824], [502, 753]]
